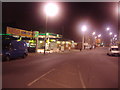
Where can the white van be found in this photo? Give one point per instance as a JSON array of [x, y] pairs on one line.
[[114, 50]]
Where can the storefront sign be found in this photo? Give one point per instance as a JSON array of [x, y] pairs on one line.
[[19, 32]]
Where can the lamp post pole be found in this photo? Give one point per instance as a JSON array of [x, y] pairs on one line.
[[45, 33], [93, 38], [83, 40], [51, 9], [84, 28]]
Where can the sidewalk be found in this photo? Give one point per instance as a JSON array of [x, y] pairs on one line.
[[66, 51]]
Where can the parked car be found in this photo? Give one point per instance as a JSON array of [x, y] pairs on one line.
[[114, 50], [31, 47], [13, 49]]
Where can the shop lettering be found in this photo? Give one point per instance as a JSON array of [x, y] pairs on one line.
[[20, 32]]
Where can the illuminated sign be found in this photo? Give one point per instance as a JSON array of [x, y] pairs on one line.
[[13, 31], [19, 32], [98, 40]]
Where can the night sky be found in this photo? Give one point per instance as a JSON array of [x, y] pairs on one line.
[[30, 16]]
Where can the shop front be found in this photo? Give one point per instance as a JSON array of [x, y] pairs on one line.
[[23, 35], [41, 42], [48, 42]]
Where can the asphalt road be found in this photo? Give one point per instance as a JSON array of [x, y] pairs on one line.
[[74, 69]]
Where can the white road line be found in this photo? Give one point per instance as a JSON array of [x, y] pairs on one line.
[[40, 77], [81, 79], [60, 84]]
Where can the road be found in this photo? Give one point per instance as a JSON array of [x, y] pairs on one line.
[[74, 69]]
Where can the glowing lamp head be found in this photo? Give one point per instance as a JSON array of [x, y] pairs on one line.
[[110, 33], [84, 28], [51, 9], [99, 35], [115, 38], [95, 37], [93, 33], [108, 29], [115, 35]]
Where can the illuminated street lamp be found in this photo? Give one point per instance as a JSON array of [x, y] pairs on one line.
[[111, 37], [115, 35], [95, 37], [51, 9], [84, 28], [115, 38], [93, 33], [99, 35], [95, 40], [108, 29], [110, 33]]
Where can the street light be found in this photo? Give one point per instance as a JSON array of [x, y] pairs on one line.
[[115, 35], [84, 28], [115, 38], [93, 33], [108, 29], [111, 37], [95, 37], [51, 9], [99, 35], [110, 33]]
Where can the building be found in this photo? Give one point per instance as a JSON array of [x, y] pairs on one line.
[[41, 42]]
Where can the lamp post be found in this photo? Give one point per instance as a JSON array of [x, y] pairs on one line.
[[115, 35], [51, 9], [95, 39], [111, 37], [84, 28], [99, 39], [99, 35], [108, 29], [93, 34], [110, 33]]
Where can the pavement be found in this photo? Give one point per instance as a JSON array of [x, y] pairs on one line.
[[70, 69]]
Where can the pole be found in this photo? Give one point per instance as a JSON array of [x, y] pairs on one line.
[[83, 42], [118, 34], [111, 40], [36, 44], [45, 33], [36, 39]]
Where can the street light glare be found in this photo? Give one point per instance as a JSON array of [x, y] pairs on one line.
[[51, 9], [108, 29], [115, 38], [84, 28], [110, 33], [99, 35], [93, 33], [115, 35]]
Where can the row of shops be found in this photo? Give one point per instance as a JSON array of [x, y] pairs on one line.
[[41, 42], [47, 42]]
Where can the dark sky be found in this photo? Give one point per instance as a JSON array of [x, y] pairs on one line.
[[30, 16]]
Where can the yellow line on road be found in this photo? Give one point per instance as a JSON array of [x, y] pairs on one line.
[[40, 77]]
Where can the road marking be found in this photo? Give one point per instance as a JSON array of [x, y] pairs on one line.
[[57, 83], [40, 77], [81, 79]]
